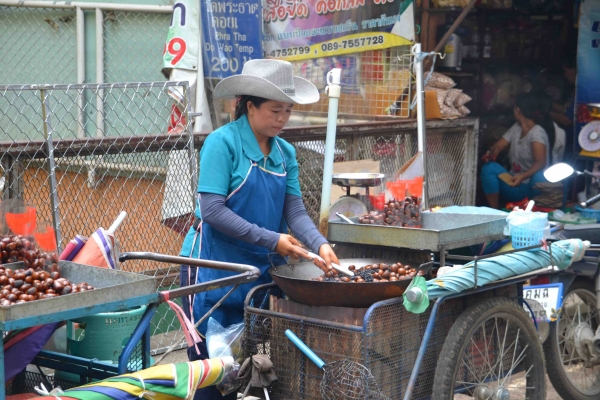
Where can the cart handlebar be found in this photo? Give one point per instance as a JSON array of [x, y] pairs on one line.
[[247, 273]]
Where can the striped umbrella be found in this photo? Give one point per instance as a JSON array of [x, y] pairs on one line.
[[98, 250], [163, 382]]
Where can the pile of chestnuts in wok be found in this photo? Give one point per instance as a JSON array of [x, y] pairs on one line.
[[371, 273], [40, 279], [405, 213]]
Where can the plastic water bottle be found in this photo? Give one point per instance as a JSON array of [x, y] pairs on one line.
[[475, 43], [487, 44]]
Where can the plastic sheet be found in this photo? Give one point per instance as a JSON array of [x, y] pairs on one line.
[[226, 342]]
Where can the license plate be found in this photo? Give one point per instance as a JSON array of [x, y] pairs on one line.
[[550, 297]]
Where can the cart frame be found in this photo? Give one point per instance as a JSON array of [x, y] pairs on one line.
[[92, 368], [257, 308]]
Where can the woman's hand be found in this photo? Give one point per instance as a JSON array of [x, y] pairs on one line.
[[288, 246], [488, 156], [327, 254], [517, 179]]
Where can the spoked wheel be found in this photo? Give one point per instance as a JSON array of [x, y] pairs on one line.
[[573, 367], [492, 352]]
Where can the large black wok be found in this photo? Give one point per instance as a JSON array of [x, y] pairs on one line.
[[296, 282]]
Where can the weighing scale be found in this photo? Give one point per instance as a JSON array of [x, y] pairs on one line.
[[354, 205]]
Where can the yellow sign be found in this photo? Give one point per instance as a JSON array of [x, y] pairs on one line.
[[343, 45]]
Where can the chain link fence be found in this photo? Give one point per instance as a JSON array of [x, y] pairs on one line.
[[68, 43], [451, 157], [110, 144], [80, 165], [39, 44], [133, 46]]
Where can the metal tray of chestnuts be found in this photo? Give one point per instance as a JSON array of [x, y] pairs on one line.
[[439, 231], [108, 286]]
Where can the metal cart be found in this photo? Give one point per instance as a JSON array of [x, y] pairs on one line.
[[115, 291], [474, 342]]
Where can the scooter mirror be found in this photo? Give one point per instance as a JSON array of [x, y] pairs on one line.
[[558, 172]]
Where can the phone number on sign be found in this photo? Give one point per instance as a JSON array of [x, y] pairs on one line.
[[352, 43], [290, 51]]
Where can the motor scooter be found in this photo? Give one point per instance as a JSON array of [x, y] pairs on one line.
[[572, 349]]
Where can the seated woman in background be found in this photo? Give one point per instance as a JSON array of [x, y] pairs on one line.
[[530, 140]]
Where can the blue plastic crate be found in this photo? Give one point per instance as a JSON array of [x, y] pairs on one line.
[[588, 213], [524, 236]]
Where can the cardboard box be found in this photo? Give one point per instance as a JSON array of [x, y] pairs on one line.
[[432, 107]]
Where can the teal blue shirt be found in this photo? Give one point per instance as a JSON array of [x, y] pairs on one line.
[[225, 160]]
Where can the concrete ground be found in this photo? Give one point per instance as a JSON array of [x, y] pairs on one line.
[[181, 356]]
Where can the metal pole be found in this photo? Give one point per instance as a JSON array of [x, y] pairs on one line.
[[2, 375], [192, 160], [99, 72], [51, 169], [333, 89], [80, 70], [421, 131]]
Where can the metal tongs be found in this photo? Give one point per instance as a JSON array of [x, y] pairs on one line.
[[335, 266]]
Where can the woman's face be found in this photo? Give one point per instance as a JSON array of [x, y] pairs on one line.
[[517, 113], [269, 118]]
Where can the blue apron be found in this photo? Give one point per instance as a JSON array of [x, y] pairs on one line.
[[259, 200]]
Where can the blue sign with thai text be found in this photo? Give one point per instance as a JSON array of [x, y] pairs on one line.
[[232, 35], [588, 62]]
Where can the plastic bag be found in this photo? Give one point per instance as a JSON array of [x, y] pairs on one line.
[[230, 382], [224, 342], [440, 93], [464, 111], [449, 112], [527, 219], [440, 81], [451, 97], [461, 99]]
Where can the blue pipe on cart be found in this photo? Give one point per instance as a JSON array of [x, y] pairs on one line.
[[142, 329], [422, 349]]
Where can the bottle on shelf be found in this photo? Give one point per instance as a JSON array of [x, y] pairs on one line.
[[525, 41], [453, 48], [499, 40], [487, 43], [512, 40], [474, 47]]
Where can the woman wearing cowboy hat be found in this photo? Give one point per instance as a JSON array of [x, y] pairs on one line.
[[249, 194]]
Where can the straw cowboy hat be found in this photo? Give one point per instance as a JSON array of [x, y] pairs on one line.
[[269, 79]]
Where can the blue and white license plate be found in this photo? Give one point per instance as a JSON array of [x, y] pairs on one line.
[[550, 297]]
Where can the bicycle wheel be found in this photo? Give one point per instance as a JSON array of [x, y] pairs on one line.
[[572, 368], [492, 352]]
